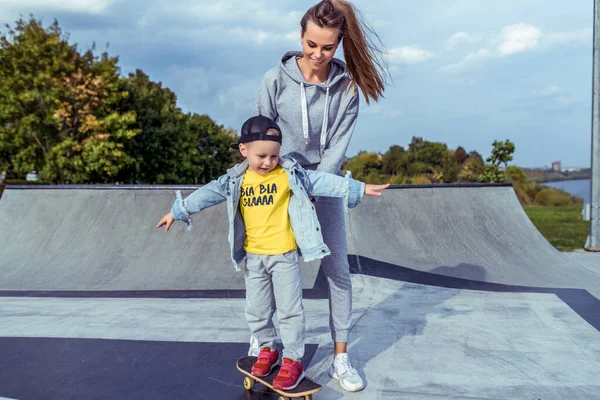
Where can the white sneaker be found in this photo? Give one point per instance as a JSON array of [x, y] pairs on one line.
[[254, 349], [342, 370]]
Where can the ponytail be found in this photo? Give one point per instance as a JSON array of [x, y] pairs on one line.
[[363, 49]]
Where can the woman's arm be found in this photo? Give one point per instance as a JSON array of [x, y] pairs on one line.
[[334, 153], [265, 100]]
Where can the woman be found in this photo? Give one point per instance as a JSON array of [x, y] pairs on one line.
[[313, 97]]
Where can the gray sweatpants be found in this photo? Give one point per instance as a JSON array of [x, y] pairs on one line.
[[330, 211], [274, 281]]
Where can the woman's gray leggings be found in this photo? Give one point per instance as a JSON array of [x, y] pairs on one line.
[[336, 269]]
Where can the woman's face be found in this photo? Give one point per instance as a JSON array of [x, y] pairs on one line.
[[319, 45]]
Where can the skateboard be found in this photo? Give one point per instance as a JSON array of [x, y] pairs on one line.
[[305, 389]]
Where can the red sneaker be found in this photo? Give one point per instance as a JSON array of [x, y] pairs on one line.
[[289, 375], [267, 360]]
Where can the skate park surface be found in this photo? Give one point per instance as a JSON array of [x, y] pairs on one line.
[[455, 295]]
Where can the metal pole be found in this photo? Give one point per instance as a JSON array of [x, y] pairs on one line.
[[593, 241]]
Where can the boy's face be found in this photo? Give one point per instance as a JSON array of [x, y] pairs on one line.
[[262, 155]]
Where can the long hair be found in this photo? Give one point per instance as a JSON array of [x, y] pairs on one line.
[[363, 50]]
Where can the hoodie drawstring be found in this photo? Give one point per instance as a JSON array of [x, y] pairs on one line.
[[323, 140], [304, 112], [325, 122]]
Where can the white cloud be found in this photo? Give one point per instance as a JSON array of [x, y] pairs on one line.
[[85, 6], [519, 38], [460, 37], [470, 61], [409, 55], [512, 40], [235, 35], [240, 12], [231, 22]]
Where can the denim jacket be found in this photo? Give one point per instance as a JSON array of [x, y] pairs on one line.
[[303, 217]]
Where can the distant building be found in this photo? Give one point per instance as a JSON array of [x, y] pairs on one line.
[[556, 166]]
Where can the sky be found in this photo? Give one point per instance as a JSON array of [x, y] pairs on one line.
[[463, 72]]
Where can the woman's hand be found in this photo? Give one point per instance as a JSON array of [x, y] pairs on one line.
[[167, 220], [375, 190]]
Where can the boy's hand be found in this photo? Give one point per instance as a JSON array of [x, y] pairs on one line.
[[375, 190], [167, 220]]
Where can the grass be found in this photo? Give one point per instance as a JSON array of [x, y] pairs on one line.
[[563, 227]]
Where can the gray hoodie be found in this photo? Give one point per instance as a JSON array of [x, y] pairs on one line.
[[317, 120]]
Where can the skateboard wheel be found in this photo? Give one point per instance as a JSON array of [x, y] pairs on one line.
[[283, 398], [248, 383]]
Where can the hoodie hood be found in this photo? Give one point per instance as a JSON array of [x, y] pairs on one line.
[[289, 65], [337, 72]]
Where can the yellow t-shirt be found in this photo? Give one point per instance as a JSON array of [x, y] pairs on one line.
[[264, 204]]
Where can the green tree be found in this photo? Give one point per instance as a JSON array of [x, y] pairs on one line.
[[158, 147], [431, 153], [414, 144], [472, 168], [460, 155], [363, 164], [205, 150], [93, 131], [476, 157], [172, 147], [501, 154], [417, 168], [394, 161], [516, 175], [57, 107], [33, 61]]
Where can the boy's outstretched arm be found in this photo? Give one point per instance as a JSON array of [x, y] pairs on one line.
[[167, 220], [375, 190], [206, 196]]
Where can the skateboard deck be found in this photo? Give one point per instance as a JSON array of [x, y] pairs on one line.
[[305, 389]]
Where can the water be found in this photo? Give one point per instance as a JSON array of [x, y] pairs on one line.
[[580, 188]]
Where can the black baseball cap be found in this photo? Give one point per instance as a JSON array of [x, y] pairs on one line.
[[255, 128]]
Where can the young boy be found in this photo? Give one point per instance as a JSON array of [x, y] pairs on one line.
[[271, 220]]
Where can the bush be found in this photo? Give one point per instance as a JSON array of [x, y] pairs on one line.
[[420, 180], [532, 189], [399, 180], [374, 177], [522, 195], [554, 197], [418, 168], [516, 174]]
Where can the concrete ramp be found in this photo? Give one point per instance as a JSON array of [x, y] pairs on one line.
[[476, 232], [455, 295], [105, 239]]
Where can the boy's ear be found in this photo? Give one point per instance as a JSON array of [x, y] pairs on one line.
[[243, 149]]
